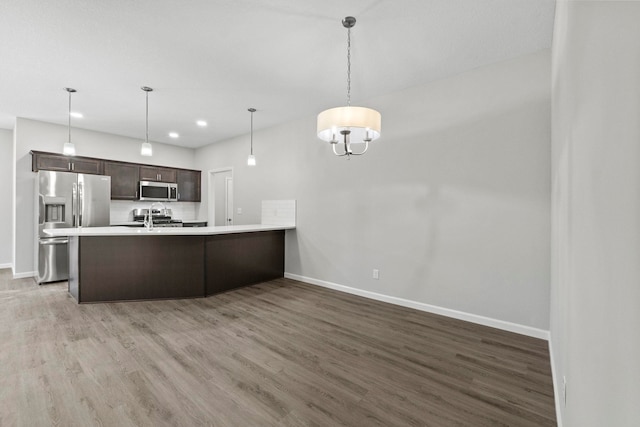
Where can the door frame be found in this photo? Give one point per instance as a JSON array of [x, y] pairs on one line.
[[228, 199], [211, 199]]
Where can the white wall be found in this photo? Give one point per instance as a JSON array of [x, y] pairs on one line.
[[451, 204], [595, 293], [34, 135], [6, 215]]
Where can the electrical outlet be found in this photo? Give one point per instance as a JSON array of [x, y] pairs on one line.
[[564, 390], [376, 273]]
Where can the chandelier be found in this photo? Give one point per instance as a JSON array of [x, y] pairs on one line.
[[349, 125]]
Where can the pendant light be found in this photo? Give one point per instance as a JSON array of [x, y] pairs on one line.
[[251, 160], [146, 149], [355, 124], [69, 149]]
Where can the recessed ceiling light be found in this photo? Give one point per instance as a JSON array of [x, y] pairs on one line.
[[174, 134], [201, 123], [76, 115]]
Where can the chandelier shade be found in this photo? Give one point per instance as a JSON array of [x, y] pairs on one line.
[[364, 124]]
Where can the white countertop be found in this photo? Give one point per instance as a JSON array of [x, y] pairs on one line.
[[173, 231]]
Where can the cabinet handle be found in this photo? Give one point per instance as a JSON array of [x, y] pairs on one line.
[[73, 166], [69, 166]]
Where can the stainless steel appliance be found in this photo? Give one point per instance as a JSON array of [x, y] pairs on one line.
[[158, 191], [160, 217], [67, 200]]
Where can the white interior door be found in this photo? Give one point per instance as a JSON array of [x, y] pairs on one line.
[[220, 199]]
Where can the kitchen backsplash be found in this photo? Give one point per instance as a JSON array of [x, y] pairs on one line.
[[121, 210], [279, 212]]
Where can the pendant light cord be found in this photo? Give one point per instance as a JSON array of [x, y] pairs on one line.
[[251, 110], [147, 119], [69, 126]]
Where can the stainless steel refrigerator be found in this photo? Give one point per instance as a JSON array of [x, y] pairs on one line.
[[67, 200]]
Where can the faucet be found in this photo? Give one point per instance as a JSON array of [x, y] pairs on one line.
[[148, 218]]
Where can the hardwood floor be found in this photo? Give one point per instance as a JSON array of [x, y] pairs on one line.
[[281, 353]]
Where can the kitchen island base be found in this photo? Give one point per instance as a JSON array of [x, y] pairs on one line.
[[128, 268], [235, 260]]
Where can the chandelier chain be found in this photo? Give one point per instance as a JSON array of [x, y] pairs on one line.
[[349, 66]]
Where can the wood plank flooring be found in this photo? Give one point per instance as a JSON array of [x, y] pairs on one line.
[[281, 353]]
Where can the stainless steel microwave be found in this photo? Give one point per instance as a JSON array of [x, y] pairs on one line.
[[158, 191]]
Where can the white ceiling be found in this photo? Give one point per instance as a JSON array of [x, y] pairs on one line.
[[213, 59]]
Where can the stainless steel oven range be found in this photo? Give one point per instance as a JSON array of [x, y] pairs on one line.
[[160, 217]]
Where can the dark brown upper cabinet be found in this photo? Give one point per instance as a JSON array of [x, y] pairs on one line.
[[124, 179], [125, 176], [188, 185], [160, 174], [62, 163]]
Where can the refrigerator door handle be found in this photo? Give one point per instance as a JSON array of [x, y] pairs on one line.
[[74, 207], [80, 202], [41, 209], [55, 241]]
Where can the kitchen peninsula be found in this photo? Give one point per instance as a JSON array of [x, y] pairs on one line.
[[127, 264]]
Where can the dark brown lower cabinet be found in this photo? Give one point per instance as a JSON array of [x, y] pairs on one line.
[[235, 260], [126, 268], [141, 267]]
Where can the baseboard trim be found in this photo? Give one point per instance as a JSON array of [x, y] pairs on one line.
[[3, 266], [460, 315], [25, 275], [557, 394]]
